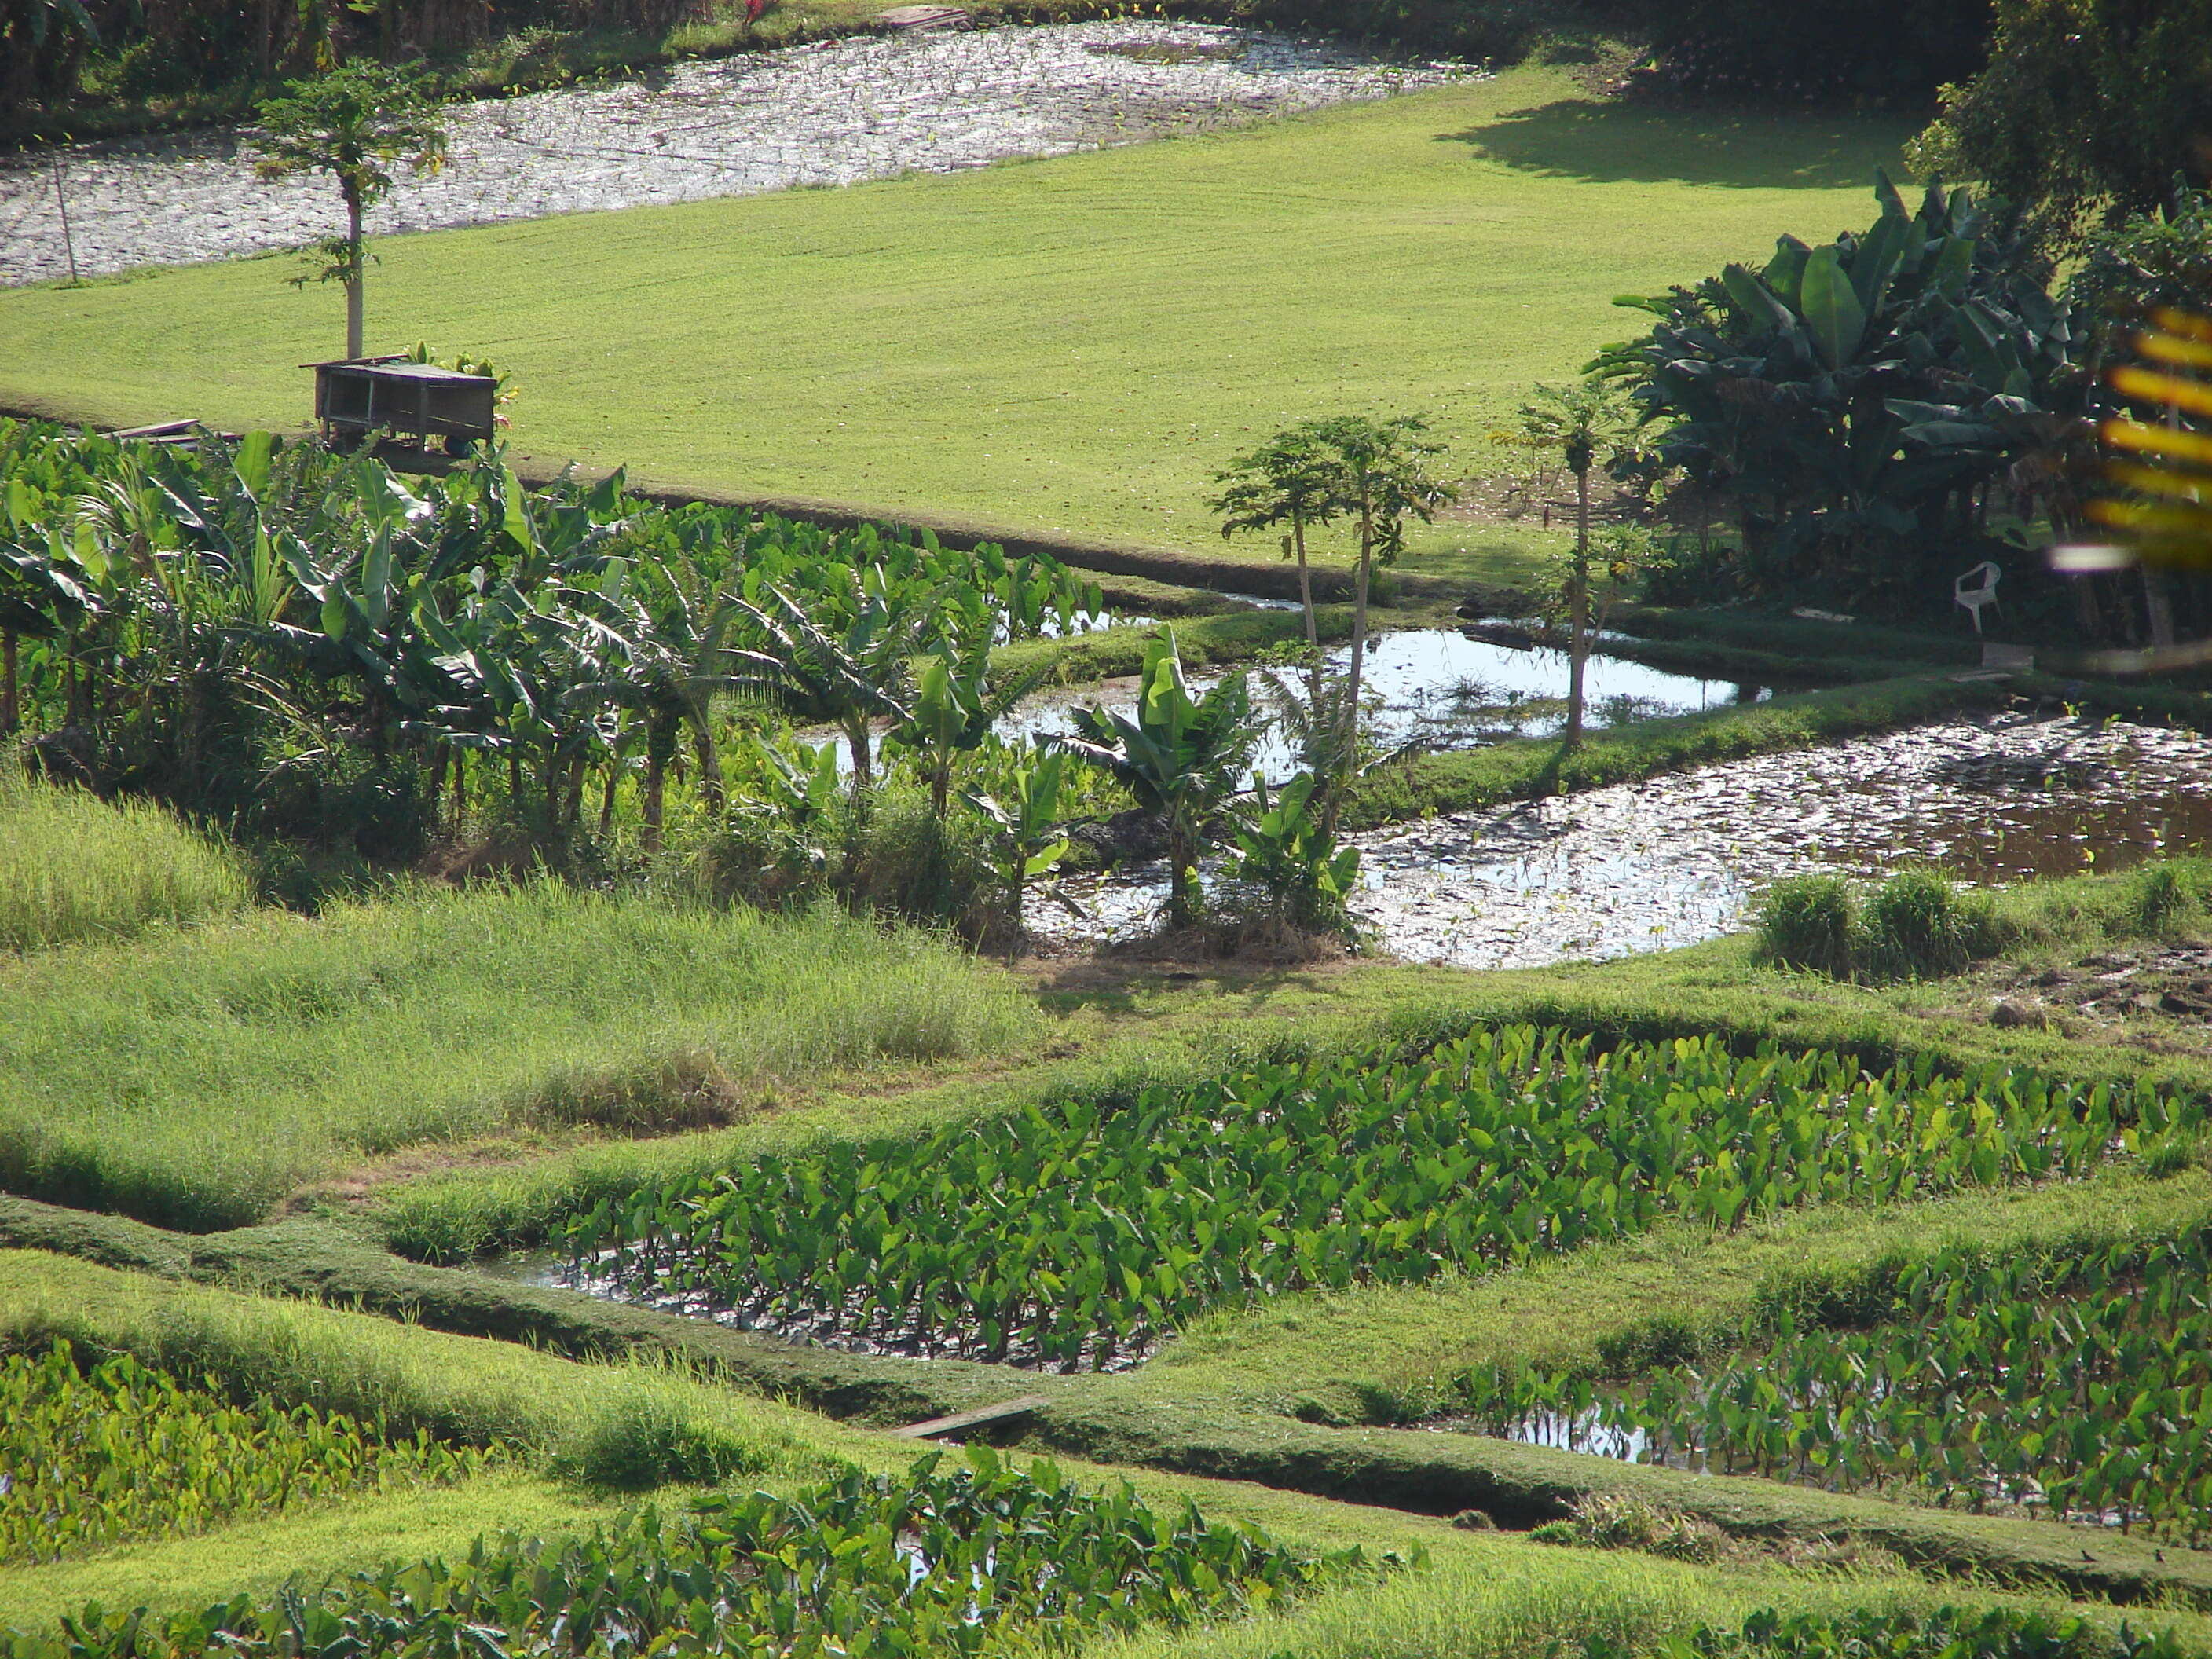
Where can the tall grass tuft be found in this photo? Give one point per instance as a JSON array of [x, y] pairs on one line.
[[73, 866], [196, 1080], [1914, 926], [1810, 922]]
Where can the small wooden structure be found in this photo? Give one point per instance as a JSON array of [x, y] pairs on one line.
[[356, 396], [959, 1423]]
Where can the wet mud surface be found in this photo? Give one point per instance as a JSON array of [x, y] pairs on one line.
[[832, 113], [1682, 857], [848, 1330]]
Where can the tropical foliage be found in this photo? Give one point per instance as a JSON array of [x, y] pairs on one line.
[[98, 1453], [1180, 756], [867, 1567], [1863, 406], [1074, 1235], [302, 644], [2073, 1385]]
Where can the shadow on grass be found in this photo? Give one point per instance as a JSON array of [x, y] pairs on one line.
[[1602, 142]]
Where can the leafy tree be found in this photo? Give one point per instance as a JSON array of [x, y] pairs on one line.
[[1381, 478], [2087, 109], [1288, 482], [1181, 757], [356, 123], [2162, 257]]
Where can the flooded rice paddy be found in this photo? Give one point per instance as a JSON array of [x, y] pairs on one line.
[[1682, 857]]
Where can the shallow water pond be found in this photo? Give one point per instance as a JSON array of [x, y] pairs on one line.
[[1436, 688], [1682, 857]]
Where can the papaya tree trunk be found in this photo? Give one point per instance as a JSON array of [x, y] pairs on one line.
[[1578, 614], [354, 261]]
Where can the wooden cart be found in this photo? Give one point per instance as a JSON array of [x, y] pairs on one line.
[[355, 397]]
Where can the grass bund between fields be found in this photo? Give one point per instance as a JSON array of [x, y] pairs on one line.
[[1068, 347]]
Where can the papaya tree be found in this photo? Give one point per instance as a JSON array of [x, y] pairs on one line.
[[356, 123]]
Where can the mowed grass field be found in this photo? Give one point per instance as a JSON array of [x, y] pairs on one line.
[[1070, 346]]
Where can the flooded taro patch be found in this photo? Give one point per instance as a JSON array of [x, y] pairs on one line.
[[1682, 857], [2061, 1386], [1073, 1236]]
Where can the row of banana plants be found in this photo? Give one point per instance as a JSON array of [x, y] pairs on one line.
[[941, 1562], [2075, 1385], [242, 627], [1072, 1234], [97, 1454]]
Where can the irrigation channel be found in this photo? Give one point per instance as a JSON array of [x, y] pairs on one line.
[[834, 112]]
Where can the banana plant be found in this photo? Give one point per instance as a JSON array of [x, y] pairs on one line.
[[954, 711], [1851, 396], [1027, 827], [845, 660], [1181, 757], [1284, 847]]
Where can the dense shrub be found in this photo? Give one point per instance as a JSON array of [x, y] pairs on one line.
[[1918, 925], [1812, 922]]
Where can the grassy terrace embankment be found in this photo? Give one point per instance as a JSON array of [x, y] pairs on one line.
[[200, 1079], [1070, 346]]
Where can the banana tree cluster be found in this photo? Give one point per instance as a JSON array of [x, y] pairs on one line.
[[1860, 402], [207, 623]]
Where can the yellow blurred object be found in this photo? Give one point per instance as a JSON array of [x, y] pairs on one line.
[[2157, 472]]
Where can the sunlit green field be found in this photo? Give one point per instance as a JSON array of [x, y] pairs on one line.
[[1069, 346]]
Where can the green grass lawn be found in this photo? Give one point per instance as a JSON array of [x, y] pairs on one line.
[[1069, 346]]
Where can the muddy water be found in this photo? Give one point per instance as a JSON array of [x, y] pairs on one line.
[[1681, 857], [1437, 689]]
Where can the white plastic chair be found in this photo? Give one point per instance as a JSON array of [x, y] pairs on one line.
[[1977, 588]]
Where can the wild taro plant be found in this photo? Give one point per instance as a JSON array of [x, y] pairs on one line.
[[99, 1452], [951, 1562], [1076, 1235], [2072, 1384]]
